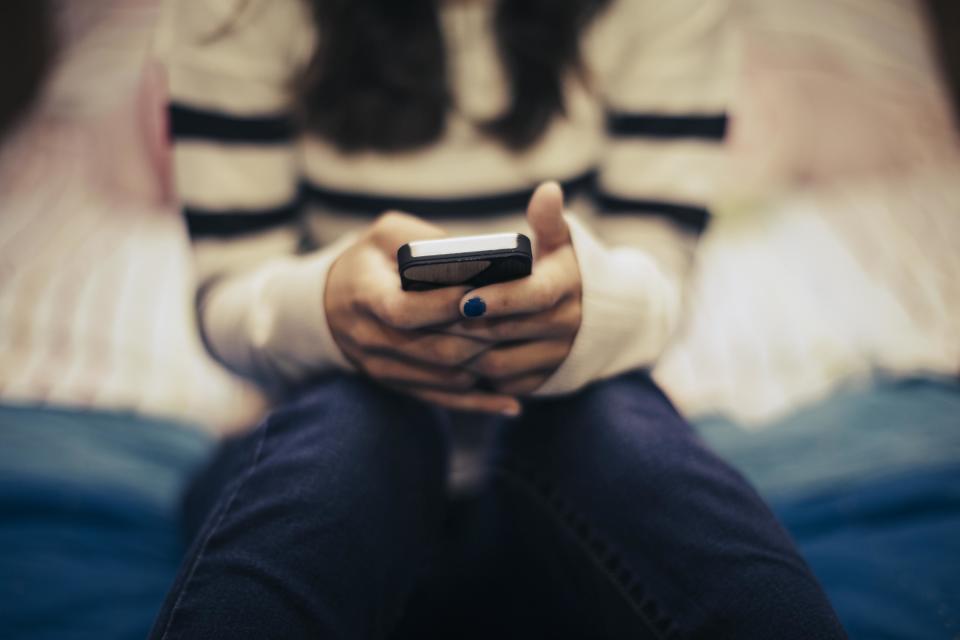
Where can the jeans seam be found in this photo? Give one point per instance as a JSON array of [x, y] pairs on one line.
[[206, 540], [533, 491]]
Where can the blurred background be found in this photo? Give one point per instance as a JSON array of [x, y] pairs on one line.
[[820, 354]]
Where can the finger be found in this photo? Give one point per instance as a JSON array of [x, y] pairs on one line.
[[554, 279], [438, 349], [388, 368], [380, 294], [418, 347], [391, 371], [560, 321], [401, 309], [473, 402], [523, 359], [545, 217], [393, 229], [522, 385]]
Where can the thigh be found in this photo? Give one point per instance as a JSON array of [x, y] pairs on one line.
[[319, 522], [622, 507]]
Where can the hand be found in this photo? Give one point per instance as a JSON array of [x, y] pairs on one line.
[[379, 327], [531, 322]]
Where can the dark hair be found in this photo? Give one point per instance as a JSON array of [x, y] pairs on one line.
[[378, 78], [945, 23], [26, 47]]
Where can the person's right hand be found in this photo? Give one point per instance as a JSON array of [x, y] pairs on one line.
[[381, 329]]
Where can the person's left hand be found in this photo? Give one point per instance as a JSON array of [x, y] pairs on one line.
[[532, 321]]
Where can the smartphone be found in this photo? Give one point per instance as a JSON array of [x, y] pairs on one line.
[[473, 261]]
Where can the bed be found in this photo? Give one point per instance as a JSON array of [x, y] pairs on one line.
[[820, 355]]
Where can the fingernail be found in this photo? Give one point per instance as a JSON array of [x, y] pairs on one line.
[[474, 308]]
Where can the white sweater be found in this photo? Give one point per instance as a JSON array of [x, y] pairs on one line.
[[640, 151]]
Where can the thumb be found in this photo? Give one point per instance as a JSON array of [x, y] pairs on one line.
[[545, 217]]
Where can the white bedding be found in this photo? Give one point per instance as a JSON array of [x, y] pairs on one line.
[[95, 283], [837, 256], [824, 288]]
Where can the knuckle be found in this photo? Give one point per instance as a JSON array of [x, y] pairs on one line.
[[383, 312], [359, 335], [507, 303], [364, 304], [391, 312], [550, 292]]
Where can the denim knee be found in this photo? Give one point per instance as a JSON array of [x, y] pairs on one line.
[[680, 533], [611, 426], [354, 433]]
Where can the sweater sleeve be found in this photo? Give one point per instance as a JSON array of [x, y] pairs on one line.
[[228, 65], [665, 87]]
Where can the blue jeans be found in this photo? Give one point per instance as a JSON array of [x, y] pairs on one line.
[[603, 516]]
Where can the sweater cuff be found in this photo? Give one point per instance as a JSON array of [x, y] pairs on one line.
[[296, 336], [272, 324], [629, 308]]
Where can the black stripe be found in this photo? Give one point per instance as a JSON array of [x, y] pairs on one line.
[[691, 217], [188, 123], [647, 125], [459, 207], [230, 223], [199, 302]]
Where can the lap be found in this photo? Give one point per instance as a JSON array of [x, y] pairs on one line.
[[549, 547], [604, 515]]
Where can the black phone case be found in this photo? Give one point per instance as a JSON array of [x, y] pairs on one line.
[[505, 264]]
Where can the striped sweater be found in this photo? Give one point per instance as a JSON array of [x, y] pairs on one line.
[[639, 150]]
